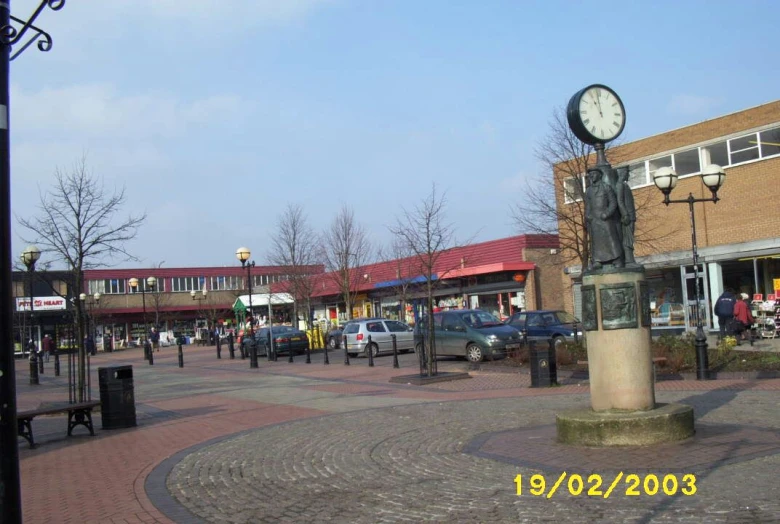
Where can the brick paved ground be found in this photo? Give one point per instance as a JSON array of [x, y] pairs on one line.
[[218, 441]]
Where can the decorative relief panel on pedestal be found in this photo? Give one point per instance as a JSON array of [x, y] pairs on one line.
[[590, 320], [618, 306], [644, 304]]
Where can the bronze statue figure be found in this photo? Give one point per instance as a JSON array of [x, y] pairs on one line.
[[602, 217], [625, 202]]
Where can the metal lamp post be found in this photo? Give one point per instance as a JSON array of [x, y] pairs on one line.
[[713, 177], [89, 305], [150, 283], [10, 36], [243, 254], [30, 256], [199, 297]]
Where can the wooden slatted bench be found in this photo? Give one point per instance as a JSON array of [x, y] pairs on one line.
[[78, 415]]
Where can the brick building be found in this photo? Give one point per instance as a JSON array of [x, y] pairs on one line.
[[738, 238]]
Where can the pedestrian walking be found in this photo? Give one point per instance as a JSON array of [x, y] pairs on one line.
[[744, 318], [154, 336], [724, 310], [48, 345], [89, 345]]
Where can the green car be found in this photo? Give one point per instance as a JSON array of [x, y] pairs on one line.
[[470, 333]]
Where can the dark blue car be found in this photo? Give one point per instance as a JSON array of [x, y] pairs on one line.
[[548, 325]]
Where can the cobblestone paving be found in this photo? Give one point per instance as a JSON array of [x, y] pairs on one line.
[[407, 464]]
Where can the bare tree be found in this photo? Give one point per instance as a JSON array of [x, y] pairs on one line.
[[555, 205], [295, 247], [78, 225], [345, 246], [426, 234]]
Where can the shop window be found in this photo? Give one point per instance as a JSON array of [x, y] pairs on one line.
[[715, 154], [572, 190], [744, 148], [182, 284], [770, 142], [107, 287], [687, 162], [637, 175], [657, 163]]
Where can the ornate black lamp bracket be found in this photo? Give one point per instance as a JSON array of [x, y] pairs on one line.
[[10, 36]]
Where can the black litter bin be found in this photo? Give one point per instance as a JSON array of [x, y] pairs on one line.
[[117, 397], [544, 371]]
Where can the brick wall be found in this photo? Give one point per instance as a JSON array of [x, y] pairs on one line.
[[545, 279]]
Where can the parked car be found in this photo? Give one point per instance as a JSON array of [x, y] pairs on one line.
[[470, 333], [547, 325], [381, 331], [285, 338], [333, 338]]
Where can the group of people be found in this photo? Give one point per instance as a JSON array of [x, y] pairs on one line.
[[610, 214], [734, 316]]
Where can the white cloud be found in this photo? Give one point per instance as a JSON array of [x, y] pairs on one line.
[[692, 104], [100, 111]]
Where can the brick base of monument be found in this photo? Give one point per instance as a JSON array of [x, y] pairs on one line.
[[664, 423]]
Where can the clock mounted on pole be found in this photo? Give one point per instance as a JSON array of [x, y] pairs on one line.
[[615, 299]]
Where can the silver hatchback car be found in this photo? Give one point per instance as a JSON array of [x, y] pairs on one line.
[[381, 331]]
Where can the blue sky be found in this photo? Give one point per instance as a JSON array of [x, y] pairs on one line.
[[215, 114]]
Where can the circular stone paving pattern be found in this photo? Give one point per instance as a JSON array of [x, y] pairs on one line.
[[422, 462]]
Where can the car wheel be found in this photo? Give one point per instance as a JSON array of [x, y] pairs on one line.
[[474, 353], [333, 343], [373, 348]]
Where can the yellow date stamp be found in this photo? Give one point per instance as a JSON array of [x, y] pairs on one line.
[[595, 485]]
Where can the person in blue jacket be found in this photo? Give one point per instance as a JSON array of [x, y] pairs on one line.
[[724, 310]]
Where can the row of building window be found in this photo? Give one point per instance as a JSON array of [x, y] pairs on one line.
[[181, 284], [746, 148]]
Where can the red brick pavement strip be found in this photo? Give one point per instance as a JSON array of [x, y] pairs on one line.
[[101, 479]]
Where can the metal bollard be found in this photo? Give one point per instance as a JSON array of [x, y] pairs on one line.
[[370, 352], [395, 352], [253, 353], [34, 369], [271, 348], [326, 361], [289, 350], [308, 354], [181, 356], [40, 364], [151, 353], [346, 353], [56, 363], [231, 346], [219, 347]]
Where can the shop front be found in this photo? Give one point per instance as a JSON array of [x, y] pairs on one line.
[[500, 294]]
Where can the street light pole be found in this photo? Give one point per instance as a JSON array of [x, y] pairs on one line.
[[243, 255], [10, 488], [30, 256], [150, 282], [713, 177]]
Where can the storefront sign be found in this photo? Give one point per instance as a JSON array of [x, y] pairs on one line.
[[519, 277], [41, 304], [777, 285], [758, 297]]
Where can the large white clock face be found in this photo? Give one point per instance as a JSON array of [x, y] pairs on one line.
[[601, 112]]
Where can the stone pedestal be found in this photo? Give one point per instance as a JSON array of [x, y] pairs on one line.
[[616, 319]]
